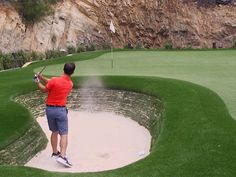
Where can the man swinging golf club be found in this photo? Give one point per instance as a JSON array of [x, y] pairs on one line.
[[58, 89]]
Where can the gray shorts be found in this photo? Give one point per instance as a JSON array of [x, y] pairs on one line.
[[57, 119]]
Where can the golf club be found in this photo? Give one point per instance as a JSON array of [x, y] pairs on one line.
[[42, 70], [36, 75]]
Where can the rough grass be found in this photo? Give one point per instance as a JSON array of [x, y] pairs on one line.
[[197, 137]]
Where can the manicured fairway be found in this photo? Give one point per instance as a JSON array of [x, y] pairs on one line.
[[215, 70], [196, 135]]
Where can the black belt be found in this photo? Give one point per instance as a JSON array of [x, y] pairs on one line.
[[55, 106]]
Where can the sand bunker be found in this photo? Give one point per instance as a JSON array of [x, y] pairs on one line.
[[97, 142]]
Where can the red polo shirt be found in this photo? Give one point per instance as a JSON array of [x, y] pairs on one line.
[[58, 90]]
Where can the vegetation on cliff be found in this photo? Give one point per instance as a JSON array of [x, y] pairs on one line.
[[33, 10], [54, 25]]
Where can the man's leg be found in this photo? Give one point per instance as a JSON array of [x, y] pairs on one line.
[[54, 140], [51, 115], [63, 144], [62, 124]]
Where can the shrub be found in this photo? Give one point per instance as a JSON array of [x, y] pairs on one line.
[[125, 46], [7, 61], [1, 61], [81, 48], [36, 56], [139, 45], [128, 46], [189, 47], [234, 42], [71, 49], [205, 3], [53, 54], [48, 54], [32, 10], [19, 58], [22, 56], [205, 46], [168, 45], [91, 47], [53, 1], [106, 45]]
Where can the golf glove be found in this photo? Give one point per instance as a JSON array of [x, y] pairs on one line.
[[36, 78]]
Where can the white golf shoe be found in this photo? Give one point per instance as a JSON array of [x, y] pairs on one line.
[[64, 161]]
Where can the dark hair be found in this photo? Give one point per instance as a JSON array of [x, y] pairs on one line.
[[69, 68]]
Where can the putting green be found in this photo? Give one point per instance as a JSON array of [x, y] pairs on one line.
[[212, 69]]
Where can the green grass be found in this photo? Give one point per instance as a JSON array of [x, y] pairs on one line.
[[197, 137], [212, 69]]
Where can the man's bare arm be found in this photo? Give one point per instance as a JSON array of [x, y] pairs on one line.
[[42, 88], [43, 78]]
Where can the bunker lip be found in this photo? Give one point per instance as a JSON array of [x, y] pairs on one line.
[[143, 109], [97, 142]]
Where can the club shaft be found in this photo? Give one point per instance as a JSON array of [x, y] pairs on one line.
[[42, 70]]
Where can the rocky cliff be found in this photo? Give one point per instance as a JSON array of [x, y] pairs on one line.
[[151, 23]]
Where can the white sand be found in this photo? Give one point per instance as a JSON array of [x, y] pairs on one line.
[[97, 142]]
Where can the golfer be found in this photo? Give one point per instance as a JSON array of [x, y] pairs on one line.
[[58, 89]]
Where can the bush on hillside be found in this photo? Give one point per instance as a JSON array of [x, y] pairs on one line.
[[33, 10], [188, 47], [34, 56], [106, 45], [71, 49], [7, 61], [206, 3], [128, 46], [1, 61], [139, 45], [234, 42], [81, 48], [54, 1], [168, 45], [22, 56], [91, 47], [14, 60], [53, 54]]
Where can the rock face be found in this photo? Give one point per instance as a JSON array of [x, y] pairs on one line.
[[150, 23]]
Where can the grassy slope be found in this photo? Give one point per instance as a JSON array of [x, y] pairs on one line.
[[197, 138], [13, 123]]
